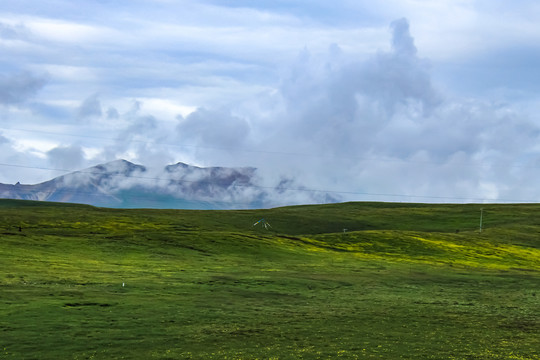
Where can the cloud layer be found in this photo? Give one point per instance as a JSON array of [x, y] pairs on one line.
[[378, 129], [19, 87], [394, 103]]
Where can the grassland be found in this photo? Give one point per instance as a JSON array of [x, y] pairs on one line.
[[405, 281]]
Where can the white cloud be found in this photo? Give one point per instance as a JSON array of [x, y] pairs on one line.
[[430, 113], [66, 157], [213, 128], [90, 107], [165, 109], [381, 127], [17, 88], [67, 73]]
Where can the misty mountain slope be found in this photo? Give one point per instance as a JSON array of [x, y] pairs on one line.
[[123, 184], [89, 186], [205, 182]]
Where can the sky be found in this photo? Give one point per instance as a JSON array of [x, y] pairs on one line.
[[393, 100]]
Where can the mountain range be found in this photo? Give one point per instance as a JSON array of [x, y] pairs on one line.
[[122, 184]]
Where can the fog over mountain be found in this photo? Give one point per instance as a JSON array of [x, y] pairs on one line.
[[375, 129], [122, 184]]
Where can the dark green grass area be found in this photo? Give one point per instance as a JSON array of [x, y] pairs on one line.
[[405, 281]]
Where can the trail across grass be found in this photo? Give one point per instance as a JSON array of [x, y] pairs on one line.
[[404, 281]]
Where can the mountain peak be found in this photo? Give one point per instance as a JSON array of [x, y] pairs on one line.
[[123, 184], [117, 166], [178, 165]]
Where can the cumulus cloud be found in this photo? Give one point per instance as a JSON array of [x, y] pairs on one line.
[[66, 157], [356, 122], [112, 113], [339, 107], [3, 140], [373, 127], [17, 88], [138, 136], [402, 41], [90, 107], [18, 165], [217, 127]]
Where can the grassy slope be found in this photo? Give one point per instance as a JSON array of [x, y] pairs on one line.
[[405, 281]]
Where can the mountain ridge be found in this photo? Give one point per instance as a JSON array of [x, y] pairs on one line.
[[123, 184]]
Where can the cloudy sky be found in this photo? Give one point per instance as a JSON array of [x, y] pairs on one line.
[[395, 100]]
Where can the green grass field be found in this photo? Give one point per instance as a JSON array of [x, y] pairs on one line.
[[405, 281]]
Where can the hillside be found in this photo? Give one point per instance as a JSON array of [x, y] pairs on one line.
[[411, 281]]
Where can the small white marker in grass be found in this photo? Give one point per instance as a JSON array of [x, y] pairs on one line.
[[123, 284]]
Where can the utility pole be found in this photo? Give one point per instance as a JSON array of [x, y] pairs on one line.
[[481, 215]]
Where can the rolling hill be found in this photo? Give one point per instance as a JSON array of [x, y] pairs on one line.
[[413, 281]]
